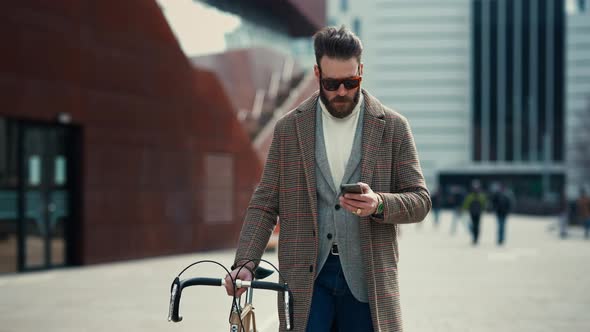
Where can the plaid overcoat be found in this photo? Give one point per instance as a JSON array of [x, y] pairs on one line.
[[288, 189]]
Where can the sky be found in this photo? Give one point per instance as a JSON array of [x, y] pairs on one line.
[[199, 28]]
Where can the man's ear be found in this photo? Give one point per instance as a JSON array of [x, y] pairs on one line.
[[361, 69], [316, 71]]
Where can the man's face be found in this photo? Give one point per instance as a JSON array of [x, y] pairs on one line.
[[342, 101]]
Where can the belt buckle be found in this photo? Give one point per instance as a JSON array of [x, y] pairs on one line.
[[334, 250]]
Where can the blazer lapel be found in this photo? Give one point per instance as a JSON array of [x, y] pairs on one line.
[[305, 123]]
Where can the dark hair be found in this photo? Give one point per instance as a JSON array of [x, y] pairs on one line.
[[337, 43]]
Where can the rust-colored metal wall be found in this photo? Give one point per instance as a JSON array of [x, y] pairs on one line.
[[148, 119], [243, 71]]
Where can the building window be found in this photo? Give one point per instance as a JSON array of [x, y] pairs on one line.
[[344, 5], [356, 26], [518, 61], [218, 191]]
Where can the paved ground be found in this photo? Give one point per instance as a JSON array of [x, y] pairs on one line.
[[536, 282]]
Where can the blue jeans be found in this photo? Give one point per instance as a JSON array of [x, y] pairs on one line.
[[334, 306]]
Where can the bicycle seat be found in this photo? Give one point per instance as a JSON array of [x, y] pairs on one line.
[[262, 273]]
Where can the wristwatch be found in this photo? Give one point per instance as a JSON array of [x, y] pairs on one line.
[[380, 207]]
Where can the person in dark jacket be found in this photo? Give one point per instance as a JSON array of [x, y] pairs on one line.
[[502, 204], [583, 211]]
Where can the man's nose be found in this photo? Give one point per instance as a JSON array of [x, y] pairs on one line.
[[342, 90]]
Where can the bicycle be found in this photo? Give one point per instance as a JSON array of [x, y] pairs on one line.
[[242, 318]]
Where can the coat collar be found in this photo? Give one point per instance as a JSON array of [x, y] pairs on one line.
[[373, 107], [373, 126]]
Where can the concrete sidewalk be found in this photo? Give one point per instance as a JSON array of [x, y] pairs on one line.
[[536, 282]]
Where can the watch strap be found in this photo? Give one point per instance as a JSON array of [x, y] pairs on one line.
[[380, 206]]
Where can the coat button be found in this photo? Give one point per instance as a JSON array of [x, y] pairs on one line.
[[337, 207], [329, 236], [311, 268]]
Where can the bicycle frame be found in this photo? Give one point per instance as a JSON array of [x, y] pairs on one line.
[[248, 318]]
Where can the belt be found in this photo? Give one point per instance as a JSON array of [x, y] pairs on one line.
[[334, 250]]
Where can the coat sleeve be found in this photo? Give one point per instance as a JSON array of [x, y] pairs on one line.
[[262, 212], [409, 199]]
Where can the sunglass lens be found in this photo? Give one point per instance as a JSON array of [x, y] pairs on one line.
[[331, 85], [350, 84]]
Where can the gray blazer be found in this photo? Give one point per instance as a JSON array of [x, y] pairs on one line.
[[332, 219]]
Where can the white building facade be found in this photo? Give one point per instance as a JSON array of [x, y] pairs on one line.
[[578, 98], [417, 61], [483, 83]]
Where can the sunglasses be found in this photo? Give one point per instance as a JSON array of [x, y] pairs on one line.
[[332, 84]]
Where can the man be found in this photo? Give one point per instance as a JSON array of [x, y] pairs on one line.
[[436, 200], [475, 203], [583, 211], [456, 202], [338, 253], [502, 203]]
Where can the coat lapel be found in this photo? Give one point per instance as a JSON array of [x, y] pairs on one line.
[[356, 151], [305, 123], [373, 126]]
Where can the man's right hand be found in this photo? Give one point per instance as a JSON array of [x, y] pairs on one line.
[[244, 274]]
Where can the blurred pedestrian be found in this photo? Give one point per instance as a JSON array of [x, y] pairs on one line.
[[436, 199], [475, 203], [502, 202], [564, 216], [583, 211], [456, 202]]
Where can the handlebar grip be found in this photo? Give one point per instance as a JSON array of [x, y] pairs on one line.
[[202, 282], [268, 285], [175, 292]]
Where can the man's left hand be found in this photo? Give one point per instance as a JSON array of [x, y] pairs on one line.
[[362, 205]]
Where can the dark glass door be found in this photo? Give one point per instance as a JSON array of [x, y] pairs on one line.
[[45, 191]]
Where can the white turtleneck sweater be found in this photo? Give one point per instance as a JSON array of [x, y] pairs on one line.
[[339, 137]]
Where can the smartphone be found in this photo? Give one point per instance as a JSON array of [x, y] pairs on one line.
[[351, 188]]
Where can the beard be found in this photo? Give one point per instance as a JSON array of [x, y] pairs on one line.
[[342, 110]]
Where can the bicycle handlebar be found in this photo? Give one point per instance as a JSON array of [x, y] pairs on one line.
[[178, 286]]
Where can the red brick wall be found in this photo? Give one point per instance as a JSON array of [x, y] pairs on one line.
[[147, 119]]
